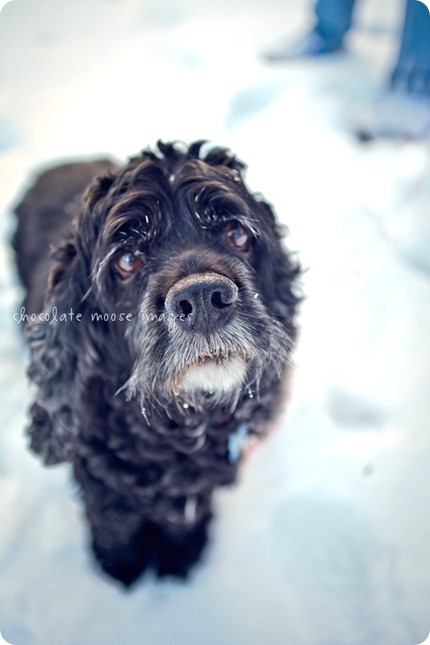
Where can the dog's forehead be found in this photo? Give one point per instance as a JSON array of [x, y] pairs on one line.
[[149, 193], [152, 199], [138, 213], [198, 171], [212, 201]]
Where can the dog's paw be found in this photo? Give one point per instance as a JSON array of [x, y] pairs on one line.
[[124, 565], [175, 556]]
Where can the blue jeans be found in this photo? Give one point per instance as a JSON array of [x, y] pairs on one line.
[[412, 70]]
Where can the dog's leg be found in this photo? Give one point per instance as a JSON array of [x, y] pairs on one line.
[[178, 546], [176, 554], [121, 545], [120, 541], [125, 545]]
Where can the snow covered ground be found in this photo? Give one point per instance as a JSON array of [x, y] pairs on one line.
[[327, 539]]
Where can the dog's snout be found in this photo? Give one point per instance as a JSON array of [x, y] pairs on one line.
[[202, 302]]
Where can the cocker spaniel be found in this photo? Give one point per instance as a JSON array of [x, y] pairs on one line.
[[160, 325]]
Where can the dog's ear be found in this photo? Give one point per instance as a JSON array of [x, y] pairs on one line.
[[287, 290], [283, 270], [54, 342], [61, 349]]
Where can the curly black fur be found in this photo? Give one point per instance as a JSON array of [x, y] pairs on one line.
[[111, 361]]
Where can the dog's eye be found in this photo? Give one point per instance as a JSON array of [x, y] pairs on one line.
[[238, 236], [127, 263]]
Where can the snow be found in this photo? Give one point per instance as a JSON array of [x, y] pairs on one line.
[[326, 541]]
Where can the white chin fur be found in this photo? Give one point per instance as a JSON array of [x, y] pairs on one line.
[[215, 377]]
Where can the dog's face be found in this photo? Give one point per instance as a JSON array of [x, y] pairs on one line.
[[187, 268], [193, 262]]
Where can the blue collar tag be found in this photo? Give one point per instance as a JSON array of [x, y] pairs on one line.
[[236, 442]]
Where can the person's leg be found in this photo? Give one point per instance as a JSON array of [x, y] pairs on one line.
[[404, 110], [333, 20], [411, 73]]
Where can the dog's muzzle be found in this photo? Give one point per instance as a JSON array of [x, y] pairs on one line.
[[202, 305], [202, 302]]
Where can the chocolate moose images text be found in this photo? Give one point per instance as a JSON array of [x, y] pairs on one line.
[[53, 316]]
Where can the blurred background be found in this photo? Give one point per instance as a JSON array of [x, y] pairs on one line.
[[326, 541]]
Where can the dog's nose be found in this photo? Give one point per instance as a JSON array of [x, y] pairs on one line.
[[202, 302]]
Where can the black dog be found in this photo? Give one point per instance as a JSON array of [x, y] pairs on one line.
[[160, 340]]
